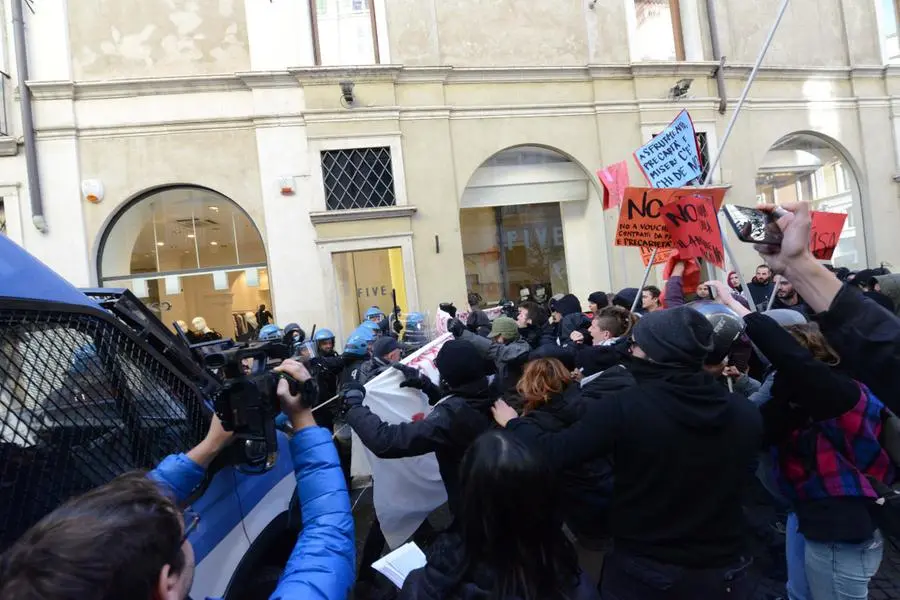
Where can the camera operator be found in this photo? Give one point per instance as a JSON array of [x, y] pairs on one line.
[[128, 538]]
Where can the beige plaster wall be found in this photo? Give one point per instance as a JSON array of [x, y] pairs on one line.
[[224, 161], [157, 38]]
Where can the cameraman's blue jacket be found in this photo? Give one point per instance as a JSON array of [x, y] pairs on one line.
[[322, 565]]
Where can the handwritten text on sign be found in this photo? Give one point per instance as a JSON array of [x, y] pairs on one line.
[[662, 255], [694, 228], [640, 217], [826, 233], [672, 158]]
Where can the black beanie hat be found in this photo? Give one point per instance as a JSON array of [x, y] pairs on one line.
[[600, 299], [568, 305], [459, 363], [625, 298], [677, 336]]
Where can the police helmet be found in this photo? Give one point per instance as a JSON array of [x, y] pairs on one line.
[[323, 335], [270, 333], [727, 328], [374, 312], [366, 333], [356, 345], [375, 328]]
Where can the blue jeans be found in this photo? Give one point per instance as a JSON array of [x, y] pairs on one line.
[[830, 570]]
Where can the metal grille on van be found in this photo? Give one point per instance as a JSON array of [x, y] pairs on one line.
[[80, 403]]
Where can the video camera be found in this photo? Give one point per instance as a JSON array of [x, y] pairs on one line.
[[247, 401]]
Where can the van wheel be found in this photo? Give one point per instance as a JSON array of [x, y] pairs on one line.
[[263, 583]]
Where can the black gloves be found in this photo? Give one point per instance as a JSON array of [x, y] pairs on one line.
[[456, 327], [353, 394], [408, 372], [398, 326], [448, 308]]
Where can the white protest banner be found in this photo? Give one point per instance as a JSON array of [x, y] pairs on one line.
[[672, 158], [443, 317], [405, 490]]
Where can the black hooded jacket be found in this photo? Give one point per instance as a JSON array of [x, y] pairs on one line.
[[681, 449], [479, 323], [574, 322], [448, 430]]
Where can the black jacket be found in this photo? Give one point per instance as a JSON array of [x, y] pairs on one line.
[[681, 449], [760, 292], [574, 322], [806, 390], [509, 363], [479, 323], [585, 489], [371, 369], [449, 575], [867, 338], [352, 365], [882, 300], [801, 307], [327, 372], [447, 431], [539, 336]]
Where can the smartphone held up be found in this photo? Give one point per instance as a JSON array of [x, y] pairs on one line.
[[754, 226]]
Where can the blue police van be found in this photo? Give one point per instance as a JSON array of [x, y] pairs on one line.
[[92, 385]]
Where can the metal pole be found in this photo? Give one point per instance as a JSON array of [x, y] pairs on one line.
[[644, 280], [31, 164], [727, 135]]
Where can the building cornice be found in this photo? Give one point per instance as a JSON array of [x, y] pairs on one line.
[[301, 76], [361, 214]]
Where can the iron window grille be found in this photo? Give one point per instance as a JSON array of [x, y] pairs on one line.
[[81, 402], [358, 178]]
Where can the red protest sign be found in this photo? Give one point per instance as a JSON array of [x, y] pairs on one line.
[[825, 233], [640, 216], [694, 227], [614, 179], [662, 255]]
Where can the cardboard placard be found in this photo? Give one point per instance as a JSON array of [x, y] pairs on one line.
[[640, 216], [672, 158], [825, 233], [662, 255], [614, 179], [693, 224]]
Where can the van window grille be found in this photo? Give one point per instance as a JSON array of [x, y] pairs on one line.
[[80, 403]]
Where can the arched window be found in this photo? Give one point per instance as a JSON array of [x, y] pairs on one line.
[[189, 252], [807, 167], [511, 223]]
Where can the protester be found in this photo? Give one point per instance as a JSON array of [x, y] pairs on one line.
[[509, 543], [128, 538], [574, 326], [761, 287], [625, 298], [553, 402], [650, 299], [596, 301], [734, 282], [680, 446], [507, 351], [826, 429], [534, 325], [787, 297], [385, 351], [447, 430], [867, 282], [610, 324], [889, 285]]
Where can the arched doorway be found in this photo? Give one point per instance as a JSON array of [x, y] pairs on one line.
[[189, 252], [512, 223], [808, 167]]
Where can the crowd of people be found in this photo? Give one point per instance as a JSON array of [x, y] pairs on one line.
[[600, 455]]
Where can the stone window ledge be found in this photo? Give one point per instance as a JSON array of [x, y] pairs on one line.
[[361, 214]]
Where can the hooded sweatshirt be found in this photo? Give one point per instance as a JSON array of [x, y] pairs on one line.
[[681, 448]]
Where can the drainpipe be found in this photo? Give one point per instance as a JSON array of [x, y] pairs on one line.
[[717, 54], [31, 166]]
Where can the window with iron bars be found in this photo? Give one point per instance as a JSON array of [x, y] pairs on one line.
[[703, 145], [358, 178], [80, 403]]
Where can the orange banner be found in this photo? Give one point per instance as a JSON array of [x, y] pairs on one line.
[[641, 217]]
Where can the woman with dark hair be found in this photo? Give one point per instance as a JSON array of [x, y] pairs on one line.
[[508, 543], [825, 429]]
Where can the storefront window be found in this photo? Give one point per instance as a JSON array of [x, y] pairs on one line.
[[810, 168], [192, 255], [511, 249]]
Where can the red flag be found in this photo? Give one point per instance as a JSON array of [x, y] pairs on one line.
[[614, 179], [692, 223], [825, 234]]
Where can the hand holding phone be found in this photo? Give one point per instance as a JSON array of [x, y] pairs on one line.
[[754, 226]]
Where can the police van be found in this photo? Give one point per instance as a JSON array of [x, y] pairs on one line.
[[92, 385]]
